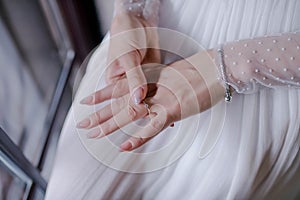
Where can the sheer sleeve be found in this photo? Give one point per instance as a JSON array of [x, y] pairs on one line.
[[147, 9], [269, 61]]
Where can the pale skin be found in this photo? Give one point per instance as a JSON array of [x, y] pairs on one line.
[[180, 91], [181, 83], [134, 44], [183, 88]]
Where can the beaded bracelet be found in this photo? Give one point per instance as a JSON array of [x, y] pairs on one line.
[[228, 95]]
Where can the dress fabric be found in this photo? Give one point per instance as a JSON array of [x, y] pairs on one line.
[[257, 153]]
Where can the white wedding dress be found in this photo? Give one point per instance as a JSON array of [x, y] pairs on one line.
[[256, 155]]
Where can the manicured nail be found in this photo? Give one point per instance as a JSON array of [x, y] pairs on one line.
[[93, 134], [87, 100], [126, 146], [138, 96], [84, 123]]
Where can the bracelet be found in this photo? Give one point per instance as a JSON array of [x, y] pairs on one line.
[[228, 95]]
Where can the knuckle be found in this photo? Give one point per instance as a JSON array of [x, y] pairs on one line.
[[120, 86], [138, 54], [138, 140], [135, 80], [132, 112], [136, 77], [141, 140], [175, 116], [106, 128], [141, 109], [96, 96], [174, 112], [157, 124], [92, 120], [119, 104], [97, 116]]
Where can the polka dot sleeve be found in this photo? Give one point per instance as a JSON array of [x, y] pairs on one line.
[[270, 61], [146, 9]]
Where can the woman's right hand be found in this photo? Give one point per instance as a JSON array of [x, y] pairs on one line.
[[133, 41]]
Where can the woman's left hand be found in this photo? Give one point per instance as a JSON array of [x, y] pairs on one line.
[[184, 88]]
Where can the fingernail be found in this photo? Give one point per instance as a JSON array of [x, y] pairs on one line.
[[84, 123], [138, 95], [126, 146], [93, 134], [87, 100]]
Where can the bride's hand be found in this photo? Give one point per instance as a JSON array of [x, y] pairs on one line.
[[182, 89], [133, 41]]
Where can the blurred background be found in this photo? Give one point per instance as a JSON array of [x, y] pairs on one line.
[[42, 45]]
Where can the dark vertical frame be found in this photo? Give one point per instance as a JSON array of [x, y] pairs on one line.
[[14, 159], [74, 28]]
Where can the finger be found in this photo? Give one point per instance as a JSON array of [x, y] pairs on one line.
[[116, 90], [157, 124], [135, 75], [104, 114], [121, 119], [152, 56]]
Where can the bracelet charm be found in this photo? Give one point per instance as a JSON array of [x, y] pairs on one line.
[[228, 95]]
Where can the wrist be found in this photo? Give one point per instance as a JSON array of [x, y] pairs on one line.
[[143, 10], [207, 69], [223, 75]]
